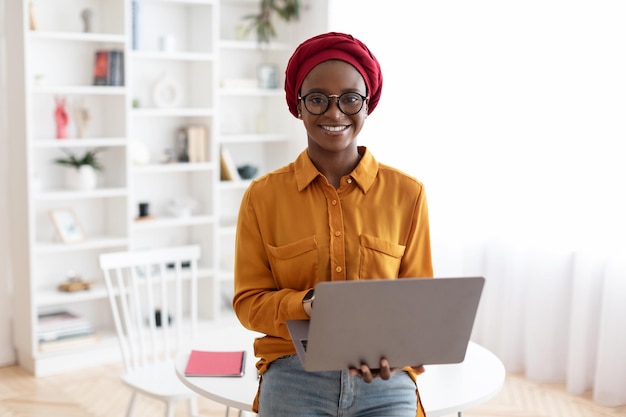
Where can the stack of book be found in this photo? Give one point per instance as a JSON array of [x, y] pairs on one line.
[[62, 329], [109, 68]]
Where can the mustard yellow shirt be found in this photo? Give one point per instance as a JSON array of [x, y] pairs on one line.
[[295, 230]]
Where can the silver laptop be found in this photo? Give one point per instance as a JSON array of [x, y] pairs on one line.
[[409, 321]]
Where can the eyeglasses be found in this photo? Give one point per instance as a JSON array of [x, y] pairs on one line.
[[318, 103]]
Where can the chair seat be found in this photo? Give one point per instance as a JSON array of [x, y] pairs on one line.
[[158, 380]]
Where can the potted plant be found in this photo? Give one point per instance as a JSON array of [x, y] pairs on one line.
[[262, 24], [82, 170]]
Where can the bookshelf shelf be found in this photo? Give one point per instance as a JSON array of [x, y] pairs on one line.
[[234, 185], [83, 90], [183, 2], [78, 143], [104, 341], [165, 222], [173, 56], [78, 37], [93, 242], [174, 167], [253, 137], [56, 195], [53, 298], [253, 46], [173, 112], [251, 92]]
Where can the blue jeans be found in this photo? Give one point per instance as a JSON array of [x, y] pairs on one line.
[[287, 390]]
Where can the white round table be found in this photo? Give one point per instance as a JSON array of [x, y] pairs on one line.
[[444, 389]]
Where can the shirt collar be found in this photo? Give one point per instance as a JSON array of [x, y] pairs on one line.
[[364, 174]]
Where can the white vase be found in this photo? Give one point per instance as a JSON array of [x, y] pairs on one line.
[[83, 178]]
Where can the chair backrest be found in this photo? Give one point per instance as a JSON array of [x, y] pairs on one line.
[[153, 297]]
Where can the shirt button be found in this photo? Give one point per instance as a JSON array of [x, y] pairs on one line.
[[338, 269], [337, 234], [349, 180], [334, 202]]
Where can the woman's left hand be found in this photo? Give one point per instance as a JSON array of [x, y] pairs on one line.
[[385, 372]]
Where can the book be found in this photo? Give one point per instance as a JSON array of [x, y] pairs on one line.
[[216, 363], [101, 68], [197, 143], [68, 342], [61, 324], [228, 169], [109, 68], [116, 68], [64, 334], [135, 23]]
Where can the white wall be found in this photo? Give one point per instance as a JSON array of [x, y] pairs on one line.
[[511, 112], [7, 355]]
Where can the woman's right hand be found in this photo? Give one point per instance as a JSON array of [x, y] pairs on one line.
[[385, 372]]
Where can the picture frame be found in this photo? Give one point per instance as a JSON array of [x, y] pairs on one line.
[[67, 226]]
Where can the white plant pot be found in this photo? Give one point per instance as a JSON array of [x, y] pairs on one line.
[[83, 178]]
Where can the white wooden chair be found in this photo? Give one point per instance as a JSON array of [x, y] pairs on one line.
[[153, 296]]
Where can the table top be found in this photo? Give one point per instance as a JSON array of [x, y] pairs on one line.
[[444, 389]]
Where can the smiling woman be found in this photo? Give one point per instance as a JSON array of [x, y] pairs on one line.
[[333, 214]]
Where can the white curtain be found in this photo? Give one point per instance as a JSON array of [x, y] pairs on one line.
[[513, 114], [552, 315]]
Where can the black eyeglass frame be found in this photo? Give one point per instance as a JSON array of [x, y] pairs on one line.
[[337, 101]]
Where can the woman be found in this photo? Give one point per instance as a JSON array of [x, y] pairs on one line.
[[334, 213]]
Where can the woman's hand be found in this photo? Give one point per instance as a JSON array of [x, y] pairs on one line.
[[385, 372]]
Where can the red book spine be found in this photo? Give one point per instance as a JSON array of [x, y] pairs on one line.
[[101, 68]]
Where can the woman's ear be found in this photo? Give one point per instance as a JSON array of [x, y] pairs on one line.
[[300, 110]]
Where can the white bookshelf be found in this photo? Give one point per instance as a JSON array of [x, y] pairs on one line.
[[190, 42]]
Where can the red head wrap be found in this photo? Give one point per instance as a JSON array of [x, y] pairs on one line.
[[326, 47]]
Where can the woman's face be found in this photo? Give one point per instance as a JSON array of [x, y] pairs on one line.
[[333, 131]]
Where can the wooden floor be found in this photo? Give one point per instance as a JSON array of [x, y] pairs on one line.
[[98, 392]]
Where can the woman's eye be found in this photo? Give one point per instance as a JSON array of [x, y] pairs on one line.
[[317, 99]]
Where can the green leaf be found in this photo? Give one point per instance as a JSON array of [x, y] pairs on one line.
[[288, 10], [89, 158]]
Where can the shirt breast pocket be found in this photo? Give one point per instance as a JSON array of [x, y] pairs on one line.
[[379, 258], [295, 265]]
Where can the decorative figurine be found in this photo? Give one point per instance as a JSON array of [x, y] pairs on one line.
[[144, 212], [61, 118], [86, 15], [74, 283], [82, 119], [247, 171]]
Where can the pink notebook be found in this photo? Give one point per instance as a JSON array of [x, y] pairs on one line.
[[212, 363]]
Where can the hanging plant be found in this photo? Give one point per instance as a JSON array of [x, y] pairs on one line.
[[261, 23]]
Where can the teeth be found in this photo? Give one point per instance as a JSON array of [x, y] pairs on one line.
[[334, 128]]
